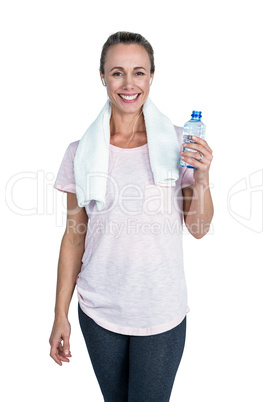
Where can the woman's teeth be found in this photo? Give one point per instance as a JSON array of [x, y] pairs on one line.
[[129, 97]]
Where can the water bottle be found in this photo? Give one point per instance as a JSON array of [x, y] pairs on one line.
[[194, 127]]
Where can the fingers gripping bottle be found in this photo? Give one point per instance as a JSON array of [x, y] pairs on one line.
[[193, 127]]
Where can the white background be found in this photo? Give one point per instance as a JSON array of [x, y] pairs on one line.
[[209, 56]]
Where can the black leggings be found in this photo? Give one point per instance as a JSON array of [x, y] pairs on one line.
[[133, 368]]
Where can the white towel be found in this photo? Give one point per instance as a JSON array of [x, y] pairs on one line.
[[91, 161]]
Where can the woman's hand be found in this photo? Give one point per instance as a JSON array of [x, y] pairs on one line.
[[202, 166], [60, 341]]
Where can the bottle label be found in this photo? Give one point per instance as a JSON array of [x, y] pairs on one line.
[[188, 138]]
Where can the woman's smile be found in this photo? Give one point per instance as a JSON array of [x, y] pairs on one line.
[[130, 98]]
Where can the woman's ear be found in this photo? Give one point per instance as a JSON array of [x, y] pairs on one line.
[[103, 80]]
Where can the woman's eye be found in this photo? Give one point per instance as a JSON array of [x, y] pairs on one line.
[[117, 73]]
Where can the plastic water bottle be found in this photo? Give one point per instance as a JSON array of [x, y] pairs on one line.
[[194, 127]]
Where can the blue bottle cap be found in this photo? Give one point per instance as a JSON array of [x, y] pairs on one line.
[[196, 115]]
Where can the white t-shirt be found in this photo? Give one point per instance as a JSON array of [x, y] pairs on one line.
[[132, 276]]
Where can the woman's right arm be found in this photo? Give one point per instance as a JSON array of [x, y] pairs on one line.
[[69, 266]]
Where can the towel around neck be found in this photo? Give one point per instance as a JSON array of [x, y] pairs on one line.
[[91, 160]]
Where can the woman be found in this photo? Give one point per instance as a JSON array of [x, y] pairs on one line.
[[131, 287]]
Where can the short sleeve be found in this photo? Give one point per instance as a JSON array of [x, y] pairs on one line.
[[187, 177], [65, 180]]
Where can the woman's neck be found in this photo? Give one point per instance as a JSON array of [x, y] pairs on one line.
[[122, 123]]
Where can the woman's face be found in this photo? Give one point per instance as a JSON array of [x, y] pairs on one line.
[[127, 73]]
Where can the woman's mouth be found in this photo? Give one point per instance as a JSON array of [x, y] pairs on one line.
[[129, 98]]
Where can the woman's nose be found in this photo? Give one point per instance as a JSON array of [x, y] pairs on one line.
[[128, 81]]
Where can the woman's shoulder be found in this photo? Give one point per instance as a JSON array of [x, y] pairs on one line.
[[70, 152], [73, 145], [71, 149]]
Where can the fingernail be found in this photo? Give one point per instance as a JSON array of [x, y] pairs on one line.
[[66, 352]]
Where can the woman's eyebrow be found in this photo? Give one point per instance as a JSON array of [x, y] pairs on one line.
[[121, 68]]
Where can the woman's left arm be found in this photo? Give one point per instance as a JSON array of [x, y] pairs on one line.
[[197, 202]]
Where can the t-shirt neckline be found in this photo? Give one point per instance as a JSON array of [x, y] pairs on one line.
[[143, 147]]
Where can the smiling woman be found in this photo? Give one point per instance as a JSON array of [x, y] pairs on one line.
[[131, 285], [127, 72]]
